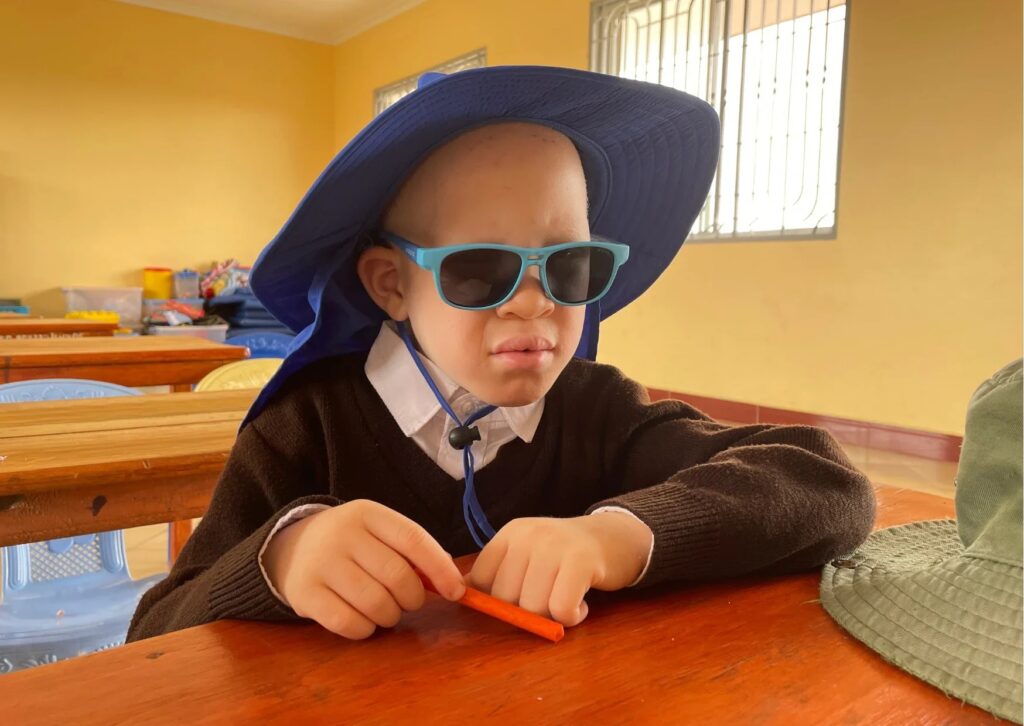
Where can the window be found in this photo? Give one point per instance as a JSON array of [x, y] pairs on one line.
[[773, 69], [384, 97]]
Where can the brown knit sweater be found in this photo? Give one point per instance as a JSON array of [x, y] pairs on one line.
[[722, 501]]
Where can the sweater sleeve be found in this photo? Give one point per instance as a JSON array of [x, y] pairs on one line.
[[276, 464], [724, 501]]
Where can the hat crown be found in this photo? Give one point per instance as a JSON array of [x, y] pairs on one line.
[[988, 481]]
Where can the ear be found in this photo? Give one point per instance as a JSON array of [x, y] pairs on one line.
[[378, 270]]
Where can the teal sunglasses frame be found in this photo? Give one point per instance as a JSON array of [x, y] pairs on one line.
[[430, 258]]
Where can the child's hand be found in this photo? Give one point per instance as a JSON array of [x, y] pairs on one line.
[[547, 565], [348, 567]]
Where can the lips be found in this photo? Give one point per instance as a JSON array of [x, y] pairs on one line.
[[524, 353], [524, 344]]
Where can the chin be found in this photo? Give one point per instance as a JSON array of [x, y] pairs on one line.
[[518, 393]]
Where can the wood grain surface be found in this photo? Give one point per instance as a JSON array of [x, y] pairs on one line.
[[754, 651], [70, 467], [25, 327], [130, 361]]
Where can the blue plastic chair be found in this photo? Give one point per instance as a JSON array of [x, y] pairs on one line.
[[68, 596], [263, 345]]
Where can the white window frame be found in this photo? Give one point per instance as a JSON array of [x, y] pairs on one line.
[[615, 28], [391, 93]]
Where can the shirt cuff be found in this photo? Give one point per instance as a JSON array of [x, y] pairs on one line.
[[650, 552], [300, 512]]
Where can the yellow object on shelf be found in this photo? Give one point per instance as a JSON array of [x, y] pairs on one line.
[[157, 283], [99, 316]]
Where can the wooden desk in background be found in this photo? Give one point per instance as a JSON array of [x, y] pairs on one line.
[[753, 651], [23, 327], [148, 360], [91, 465]]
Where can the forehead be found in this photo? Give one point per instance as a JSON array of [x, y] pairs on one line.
[[500, 147], [507, 179]]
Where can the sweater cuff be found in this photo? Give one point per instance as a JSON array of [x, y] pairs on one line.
[[291, 517], [650, 552], [240, 591], [686, 531]]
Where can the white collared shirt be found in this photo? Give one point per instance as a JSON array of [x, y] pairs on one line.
[[416, 410]]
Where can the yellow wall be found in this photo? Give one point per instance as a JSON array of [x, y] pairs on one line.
[[919, 297], [133, 137], [537, 32]]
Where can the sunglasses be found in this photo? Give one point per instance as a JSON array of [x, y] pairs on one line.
[[484, 276]]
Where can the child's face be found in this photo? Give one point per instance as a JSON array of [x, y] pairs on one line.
[[511, 183]]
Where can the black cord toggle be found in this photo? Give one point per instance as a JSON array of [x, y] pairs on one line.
[[462, 436]]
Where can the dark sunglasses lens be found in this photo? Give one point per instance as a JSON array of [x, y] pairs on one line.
[[579, 274], [478, 278]]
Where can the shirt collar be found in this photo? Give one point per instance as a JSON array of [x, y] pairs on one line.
[[400, 385]]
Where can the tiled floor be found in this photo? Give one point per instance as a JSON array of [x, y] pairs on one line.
[[147, 549], [147, 546], [908, 472]]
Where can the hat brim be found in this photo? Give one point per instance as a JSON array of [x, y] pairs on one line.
[[649, 154], [953, 620]]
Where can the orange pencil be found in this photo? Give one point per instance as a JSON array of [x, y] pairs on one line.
[[511, 614]]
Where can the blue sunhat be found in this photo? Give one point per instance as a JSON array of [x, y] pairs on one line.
[[648, 152]]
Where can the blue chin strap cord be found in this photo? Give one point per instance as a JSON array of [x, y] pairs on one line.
[[461, 437]]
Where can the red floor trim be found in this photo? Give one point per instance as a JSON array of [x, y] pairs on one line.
[[912, 442]]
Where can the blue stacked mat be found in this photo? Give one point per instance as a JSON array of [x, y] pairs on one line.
[[245, 312]]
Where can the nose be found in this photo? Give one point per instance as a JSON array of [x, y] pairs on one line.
[[528, 301]]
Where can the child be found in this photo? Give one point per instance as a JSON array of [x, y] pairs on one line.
[[442, 274]]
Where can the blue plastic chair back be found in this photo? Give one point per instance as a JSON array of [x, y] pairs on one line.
[[61, 389], [263, 345], [68, 596]]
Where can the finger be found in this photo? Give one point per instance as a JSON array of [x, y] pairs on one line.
[[325, 607], [391, 570], [537, 584], [416, 545], [566, 604], [353, 585], [487, 563], [508, 583]]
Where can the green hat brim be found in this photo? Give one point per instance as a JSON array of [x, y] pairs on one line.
[[912, 594]]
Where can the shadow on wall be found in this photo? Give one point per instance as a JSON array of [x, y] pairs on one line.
[[48, 303]]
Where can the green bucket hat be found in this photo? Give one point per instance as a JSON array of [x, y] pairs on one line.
[[942, 599]]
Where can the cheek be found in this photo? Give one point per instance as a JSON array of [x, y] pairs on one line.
[[426, 310], [570, 325], [417, 284], [445, 333]]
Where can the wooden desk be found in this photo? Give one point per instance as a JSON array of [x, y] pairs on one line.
[[91, 465], [131, 361], [748, 652], [23, 327]]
